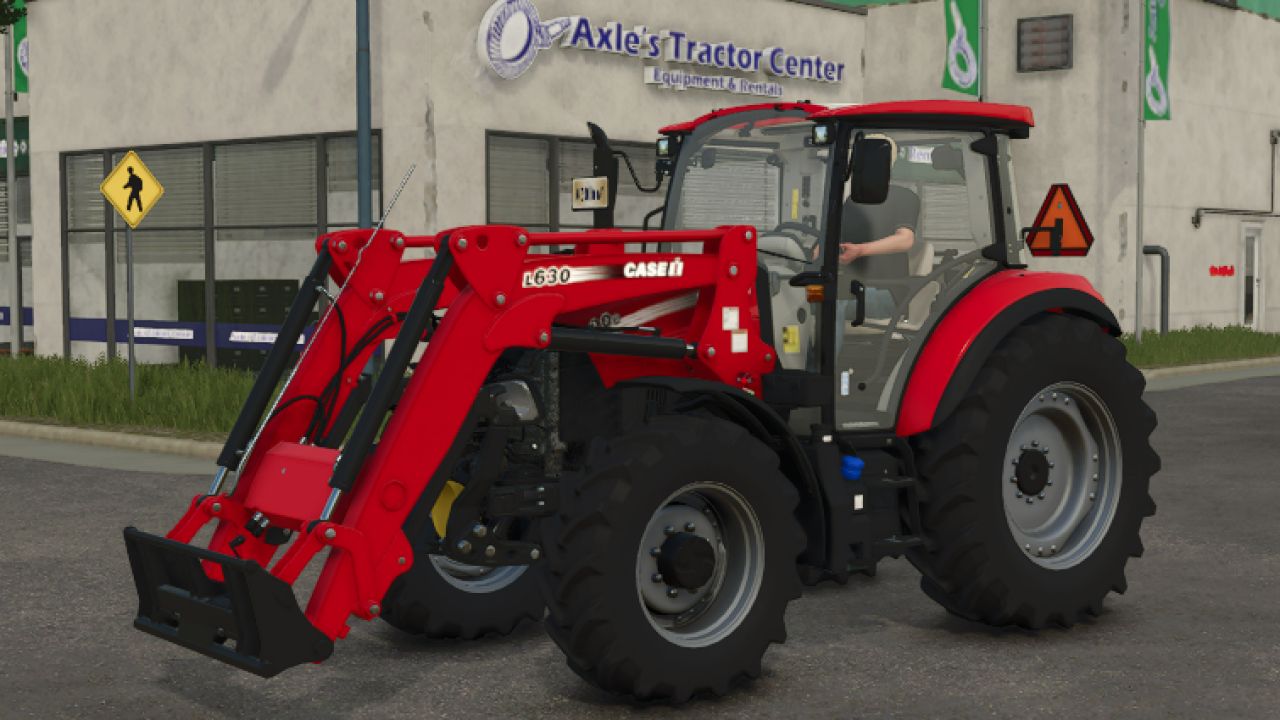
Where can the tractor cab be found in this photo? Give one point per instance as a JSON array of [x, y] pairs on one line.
[[872, 219]]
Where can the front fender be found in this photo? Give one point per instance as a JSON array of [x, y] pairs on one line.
[[973, 327]]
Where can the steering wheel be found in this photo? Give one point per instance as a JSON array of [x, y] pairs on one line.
[[802, 229], [798, 227]]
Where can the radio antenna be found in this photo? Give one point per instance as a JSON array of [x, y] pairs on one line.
[[403, 181]]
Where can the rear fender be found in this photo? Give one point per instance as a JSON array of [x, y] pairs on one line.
[[972, 328]]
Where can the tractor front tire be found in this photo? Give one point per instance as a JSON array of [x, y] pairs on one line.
[[1034, 489], [673, 559]]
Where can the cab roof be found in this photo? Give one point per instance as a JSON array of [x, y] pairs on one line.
[[691, 125], [1015, 119]]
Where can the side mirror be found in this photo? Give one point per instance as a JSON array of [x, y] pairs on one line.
[[869, 176]]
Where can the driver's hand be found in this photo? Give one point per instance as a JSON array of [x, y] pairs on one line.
[[816, 251], [850, 252]]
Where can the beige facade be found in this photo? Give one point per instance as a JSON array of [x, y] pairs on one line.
[[195, 75], [1214, 152]]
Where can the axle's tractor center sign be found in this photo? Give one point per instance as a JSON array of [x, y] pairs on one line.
[[511, 34]]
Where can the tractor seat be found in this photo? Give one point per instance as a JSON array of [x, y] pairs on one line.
[[920, 259]]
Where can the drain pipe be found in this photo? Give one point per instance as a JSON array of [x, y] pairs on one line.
[[1268, 213], [1164, 283]]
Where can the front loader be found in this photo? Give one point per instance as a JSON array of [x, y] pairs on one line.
[[829, 354]]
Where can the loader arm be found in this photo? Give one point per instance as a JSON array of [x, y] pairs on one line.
[[297, 482]]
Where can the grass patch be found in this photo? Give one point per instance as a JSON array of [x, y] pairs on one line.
[[1200, 345], [193, 401]]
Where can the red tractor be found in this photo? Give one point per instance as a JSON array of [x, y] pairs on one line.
[[831, 353]]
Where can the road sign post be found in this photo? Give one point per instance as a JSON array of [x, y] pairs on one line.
[[11, 217], [128, 259], [132, 190]]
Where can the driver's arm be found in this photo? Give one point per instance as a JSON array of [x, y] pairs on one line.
[[900, 241]]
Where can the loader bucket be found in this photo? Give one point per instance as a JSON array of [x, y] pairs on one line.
[[250, 620]]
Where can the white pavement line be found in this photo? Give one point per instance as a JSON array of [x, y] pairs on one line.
[[104, 438]]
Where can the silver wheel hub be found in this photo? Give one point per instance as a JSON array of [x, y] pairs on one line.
[[476, 578], [1062, 475], [706, 593]]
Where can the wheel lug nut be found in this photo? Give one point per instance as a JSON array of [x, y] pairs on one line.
[[1018, 494], [1055, 396], [1093, 496], [1053, 549], [1039, 551], [1095, 457], [669, 530], [1048, 482], [657, 577], [490, 551], [1013, 479], [463, 546], [1095, 477], [655, 552], [1041, 496], [1051, 465], [1029, 501], [690, 527], [672, 592], [1027, 547], [479, 530]]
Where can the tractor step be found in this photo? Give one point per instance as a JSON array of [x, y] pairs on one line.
[[250, 620], [896, 545]]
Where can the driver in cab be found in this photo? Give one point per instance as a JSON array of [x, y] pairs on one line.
[[875, 241]]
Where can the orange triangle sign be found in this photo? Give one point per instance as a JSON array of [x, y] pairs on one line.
[[1059, 228]]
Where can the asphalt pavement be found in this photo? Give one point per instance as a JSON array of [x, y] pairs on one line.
[[1197, 635]]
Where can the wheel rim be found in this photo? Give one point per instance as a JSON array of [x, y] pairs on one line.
[[476, 578], [698, 516], [1063, 474]]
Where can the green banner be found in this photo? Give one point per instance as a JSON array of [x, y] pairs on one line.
[[1155, 69], [964, 43], [20, 56], [1266, 8]]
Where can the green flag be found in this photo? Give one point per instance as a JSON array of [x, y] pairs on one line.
[[1155, 69], [20, 57], [963, 46]]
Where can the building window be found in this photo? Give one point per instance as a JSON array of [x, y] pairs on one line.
[[529, 182], [242, 215]]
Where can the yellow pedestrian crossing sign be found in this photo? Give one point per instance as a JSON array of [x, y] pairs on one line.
[[131, 189]]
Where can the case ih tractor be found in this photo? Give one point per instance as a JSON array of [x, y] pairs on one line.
[[830, 354]]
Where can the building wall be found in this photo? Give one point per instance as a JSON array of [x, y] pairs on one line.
[[243, 69], [1213, 152]]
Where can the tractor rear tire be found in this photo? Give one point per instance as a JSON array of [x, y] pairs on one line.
[[1056, 400], [710, 500]]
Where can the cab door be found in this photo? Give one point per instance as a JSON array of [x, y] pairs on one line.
[[902, 262]]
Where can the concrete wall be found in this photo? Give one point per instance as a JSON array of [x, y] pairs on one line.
[[1213, 152], [241, 69]]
